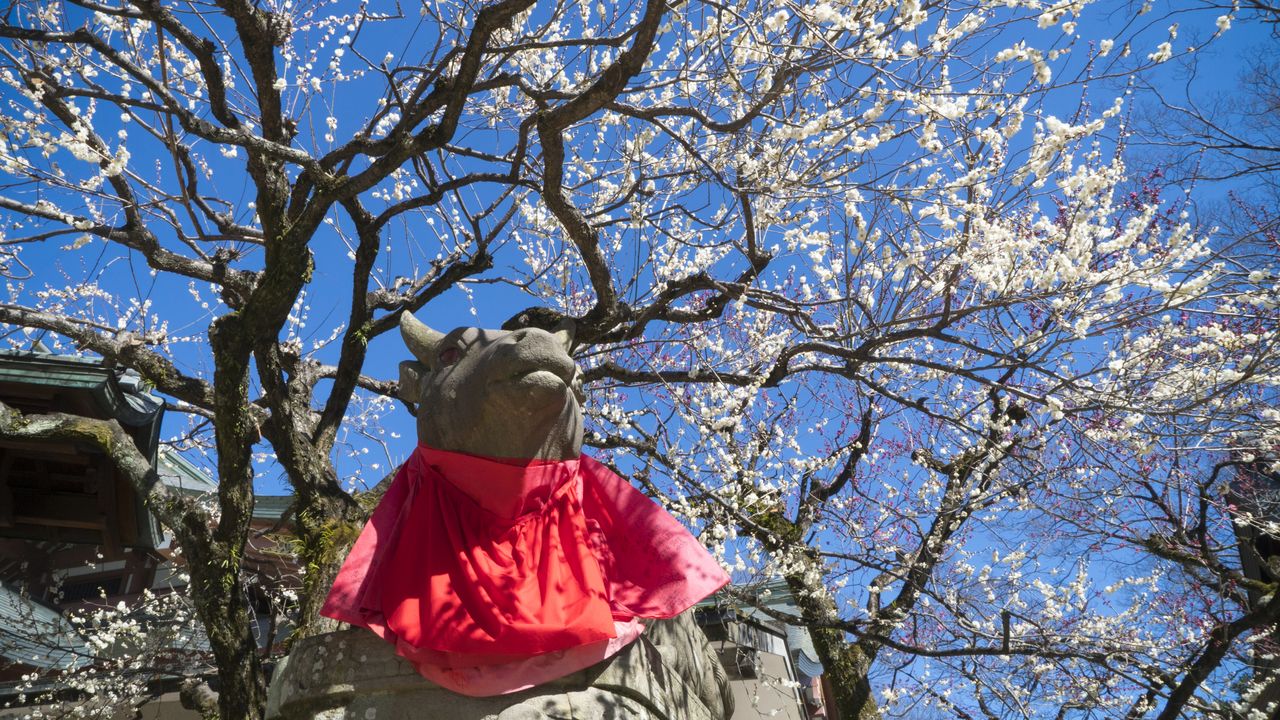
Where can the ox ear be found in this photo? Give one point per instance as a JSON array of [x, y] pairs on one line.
[[564, 332], [411, 374], [422, 340]]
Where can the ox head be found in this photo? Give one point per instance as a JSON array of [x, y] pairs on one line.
[[513, 394]]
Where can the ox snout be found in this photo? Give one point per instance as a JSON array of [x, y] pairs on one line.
[[532, 356]]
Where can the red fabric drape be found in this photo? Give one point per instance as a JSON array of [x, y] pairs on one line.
[[493, 575]]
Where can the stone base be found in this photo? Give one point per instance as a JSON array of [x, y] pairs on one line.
[[670, 673]]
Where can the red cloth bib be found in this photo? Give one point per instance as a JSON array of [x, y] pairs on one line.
[[475, 567]]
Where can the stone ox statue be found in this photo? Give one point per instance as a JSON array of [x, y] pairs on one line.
[[503, 574]]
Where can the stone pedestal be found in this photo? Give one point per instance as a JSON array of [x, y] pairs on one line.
[[670, 673]]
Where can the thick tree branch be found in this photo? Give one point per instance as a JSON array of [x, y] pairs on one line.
[[190, 121], [124, 348], [857, 450], [205, 52], [1214, 652], [450, 94], [551, 125], [174, 509]]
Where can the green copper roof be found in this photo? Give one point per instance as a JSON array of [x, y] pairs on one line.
[[120, 394], [271, 507], [180, 473]]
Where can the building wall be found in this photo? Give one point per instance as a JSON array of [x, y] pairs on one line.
[[761, 697], [754, 651]]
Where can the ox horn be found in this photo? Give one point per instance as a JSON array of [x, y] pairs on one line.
[[420, 338]]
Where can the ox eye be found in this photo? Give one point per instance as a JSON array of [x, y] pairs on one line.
[[449, 356]]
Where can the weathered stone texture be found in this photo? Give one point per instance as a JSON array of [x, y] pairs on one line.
[[670, 673]]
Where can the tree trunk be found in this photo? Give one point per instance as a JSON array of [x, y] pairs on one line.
[[215, 557], [327, 528], [845, 664], [218, 593]]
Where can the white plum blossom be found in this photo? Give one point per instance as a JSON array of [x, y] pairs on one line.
[[874, 295]]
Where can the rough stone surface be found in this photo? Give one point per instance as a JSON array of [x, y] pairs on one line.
[[504, 394], [670, 673], [495, 393]]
